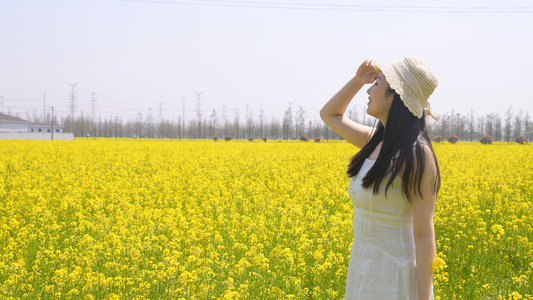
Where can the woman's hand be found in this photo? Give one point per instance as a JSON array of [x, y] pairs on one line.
[[367, 72], [333, 111]]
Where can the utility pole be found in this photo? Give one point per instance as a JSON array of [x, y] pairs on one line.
[[52, 122], [72, 100]]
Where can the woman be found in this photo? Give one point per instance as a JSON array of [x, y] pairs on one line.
[[394, 181]]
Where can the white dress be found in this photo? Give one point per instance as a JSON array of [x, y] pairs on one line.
[[382, 258]]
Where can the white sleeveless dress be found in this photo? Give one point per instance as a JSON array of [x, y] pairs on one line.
[[382, 258]]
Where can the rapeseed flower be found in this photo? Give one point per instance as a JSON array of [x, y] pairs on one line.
[[148, 219]]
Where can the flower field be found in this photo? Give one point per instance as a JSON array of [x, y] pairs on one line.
[[165, 219]]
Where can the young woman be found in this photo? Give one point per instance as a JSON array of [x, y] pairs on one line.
[[394, 181]]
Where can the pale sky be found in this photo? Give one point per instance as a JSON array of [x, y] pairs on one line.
[[137, 55]]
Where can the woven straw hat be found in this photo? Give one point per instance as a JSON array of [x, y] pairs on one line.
[[414, 82]]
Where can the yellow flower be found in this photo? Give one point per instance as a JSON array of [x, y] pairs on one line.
[[165, 219]]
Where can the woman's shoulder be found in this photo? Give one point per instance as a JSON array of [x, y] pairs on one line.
[[425, 147], [424, 155], [420, 148]]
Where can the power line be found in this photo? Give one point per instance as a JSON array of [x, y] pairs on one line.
[[343, 7]]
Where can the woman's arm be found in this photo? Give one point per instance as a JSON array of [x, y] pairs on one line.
[[424, 232], [333, 111]]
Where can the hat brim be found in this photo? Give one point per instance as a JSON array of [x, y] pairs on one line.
[[393, 78]]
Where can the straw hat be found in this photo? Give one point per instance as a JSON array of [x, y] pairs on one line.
[[414, 82]]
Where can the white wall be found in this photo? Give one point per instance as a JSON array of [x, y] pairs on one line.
[[69, 136]]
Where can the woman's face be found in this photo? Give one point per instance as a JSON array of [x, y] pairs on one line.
[[379, 100]]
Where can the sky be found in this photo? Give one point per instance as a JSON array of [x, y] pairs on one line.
[[125, 58]]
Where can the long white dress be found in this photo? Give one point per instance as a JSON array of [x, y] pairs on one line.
[[382, 258]]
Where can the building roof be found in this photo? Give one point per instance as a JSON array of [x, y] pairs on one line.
[[45, 125], [11, 119]]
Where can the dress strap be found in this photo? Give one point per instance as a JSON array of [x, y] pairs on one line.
[[395, 156]]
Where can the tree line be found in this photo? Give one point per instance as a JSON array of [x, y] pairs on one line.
[[292, 126]]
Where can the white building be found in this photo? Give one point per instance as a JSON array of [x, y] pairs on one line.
[[13, 128], [45, 128], [13, 124]]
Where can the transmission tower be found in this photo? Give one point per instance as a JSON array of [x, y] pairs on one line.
[[199, 114], [72, 100]]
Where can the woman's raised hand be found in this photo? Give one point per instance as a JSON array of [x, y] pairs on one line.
[[367, 72]]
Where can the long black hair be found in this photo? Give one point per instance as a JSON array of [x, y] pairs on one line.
[[405, 135]]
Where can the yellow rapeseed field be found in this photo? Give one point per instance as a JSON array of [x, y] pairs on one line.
[[161, 219]]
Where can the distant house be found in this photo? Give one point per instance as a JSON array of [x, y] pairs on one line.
[[13, 128], [13, 124], [45, 128]]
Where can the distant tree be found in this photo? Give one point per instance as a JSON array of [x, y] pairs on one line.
[[527, 126], [443, 126], [481, 125], [520, 140], [249, 121], [236, 123], [138, 124], [460, 122], [149, 119], [518, 124], [489, 125], [452, 122], [453, 139], [486, 139], [287, 123], [275, 128], [300, 121], [500, 127], [497, 126], [213, 123], [471, 127], [507, 128], [261, 121]]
